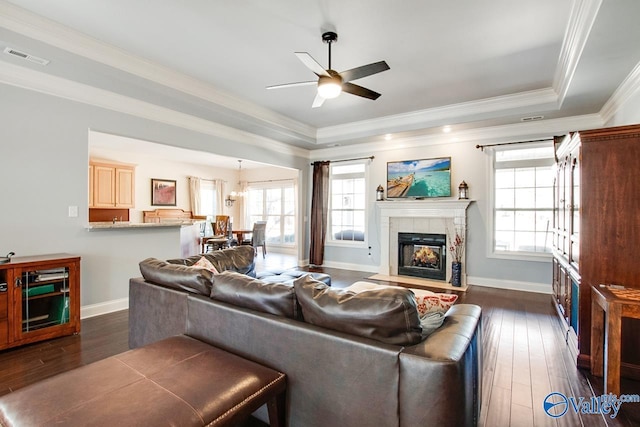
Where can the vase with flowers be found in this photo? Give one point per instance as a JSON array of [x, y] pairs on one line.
[[456, 248]]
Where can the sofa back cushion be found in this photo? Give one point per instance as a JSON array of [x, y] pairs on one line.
[[387, 315], [244, 291], [182, 277], [238, 258]]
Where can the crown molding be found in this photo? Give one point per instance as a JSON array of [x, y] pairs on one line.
[[56, 86], [581, 19], [541, 99], [505, 133], [629, 87], [50, 32]]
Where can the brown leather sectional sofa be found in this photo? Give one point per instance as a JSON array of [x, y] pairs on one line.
[[334, 378]]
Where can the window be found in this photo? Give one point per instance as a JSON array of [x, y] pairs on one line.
[[347, 202], [523, 199], [208, 198], [274, 203]]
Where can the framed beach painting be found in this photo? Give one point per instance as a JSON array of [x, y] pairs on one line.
[[419, 179], [163, 192]]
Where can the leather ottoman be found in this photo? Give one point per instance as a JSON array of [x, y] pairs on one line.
[[289, 275], [178, 381]]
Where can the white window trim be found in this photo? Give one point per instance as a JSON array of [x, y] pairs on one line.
[[491, 233], [272, 185], [329, 241]]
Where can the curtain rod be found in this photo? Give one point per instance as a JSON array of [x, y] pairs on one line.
[[208, 179], [271, 180], [346, 160], [481, 147]]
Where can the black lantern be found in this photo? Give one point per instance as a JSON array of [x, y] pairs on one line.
[[463, 191], [379, 193]]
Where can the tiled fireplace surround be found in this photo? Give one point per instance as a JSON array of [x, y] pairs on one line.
[[418, 216]]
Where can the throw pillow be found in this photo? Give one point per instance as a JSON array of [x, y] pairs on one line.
[[206, 264], [388, 315], [431, 302]]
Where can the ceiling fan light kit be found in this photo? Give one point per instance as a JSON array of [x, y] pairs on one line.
[[330, 82], [329, 87]]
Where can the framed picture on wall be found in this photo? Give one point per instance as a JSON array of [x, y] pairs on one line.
[[163, 192]]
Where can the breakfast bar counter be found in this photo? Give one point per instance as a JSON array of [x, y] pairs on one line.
[[186, 233], [119, 225]]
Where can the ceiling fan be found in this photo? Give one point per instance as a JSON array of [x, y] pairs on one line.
[[330, 82]]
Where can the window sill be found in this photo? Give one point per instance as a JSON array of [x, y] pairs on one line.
[[347, 244], [516, 256]]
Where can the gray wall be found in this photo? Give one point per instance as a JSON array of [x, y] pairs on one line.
[[468, 164], [44, 168]]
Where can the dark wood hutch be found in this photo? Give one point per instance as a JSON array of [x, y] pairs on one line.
[[596, 231]]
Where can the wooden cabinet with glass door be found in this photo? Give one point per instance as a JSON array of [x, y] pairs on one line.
[[41, 300], [596, 231]]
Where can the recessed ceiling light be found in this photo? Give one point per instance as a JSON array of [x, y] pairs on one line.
[[446, 129]]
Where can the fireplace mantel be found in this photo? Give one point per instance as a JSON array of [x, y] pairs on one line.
[[453, 212], [422, 208]]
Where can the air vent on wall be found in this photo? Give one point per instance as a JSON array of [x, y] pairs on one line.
[[24, 55], [531, 118]]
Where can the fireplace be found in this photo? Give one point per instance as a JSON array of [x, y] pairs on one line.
[[422, 255]]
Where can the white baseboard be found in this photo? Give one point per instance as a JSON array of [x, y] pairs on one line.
[[103, 308], [355, 267], [542, 288]]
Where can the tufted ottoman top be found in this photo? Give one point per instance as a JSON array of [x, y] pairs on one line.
[[289, 275]]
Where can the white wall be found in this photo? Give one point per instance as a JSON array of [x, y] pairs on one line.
[[628, 114]]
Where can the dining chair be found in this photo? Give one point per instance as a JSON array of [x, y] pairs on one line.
[[258, 237], [222, 234]]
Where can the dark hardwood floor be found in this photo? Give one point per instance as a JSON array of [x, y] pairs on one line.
[[525, 356]]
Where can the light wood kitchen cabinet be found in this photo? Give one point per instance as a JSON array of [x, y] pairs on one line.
[[90, 186], [111, 185], [125, 187]]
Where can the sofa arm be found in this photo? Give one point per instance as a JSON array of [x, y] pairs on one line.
[[155, 312], [441, 377]]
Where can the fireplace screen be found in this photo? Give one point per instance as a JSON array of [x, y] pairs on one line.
[[422, 255], [425, 256]]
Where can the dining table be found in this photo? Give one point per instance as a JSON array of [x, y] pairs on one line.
[[240, 236]]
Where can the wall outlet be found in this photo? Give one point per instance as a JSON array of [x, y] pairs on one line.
[[73, 211]]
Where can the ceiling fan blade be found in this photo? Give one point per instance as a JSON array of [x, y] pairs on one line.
[[311, 64], [285, 85], [359, 91], [364, 71], [317, 102]]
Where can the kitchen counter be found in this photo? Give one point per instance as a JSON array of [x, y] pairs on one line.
[[119, 225]]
